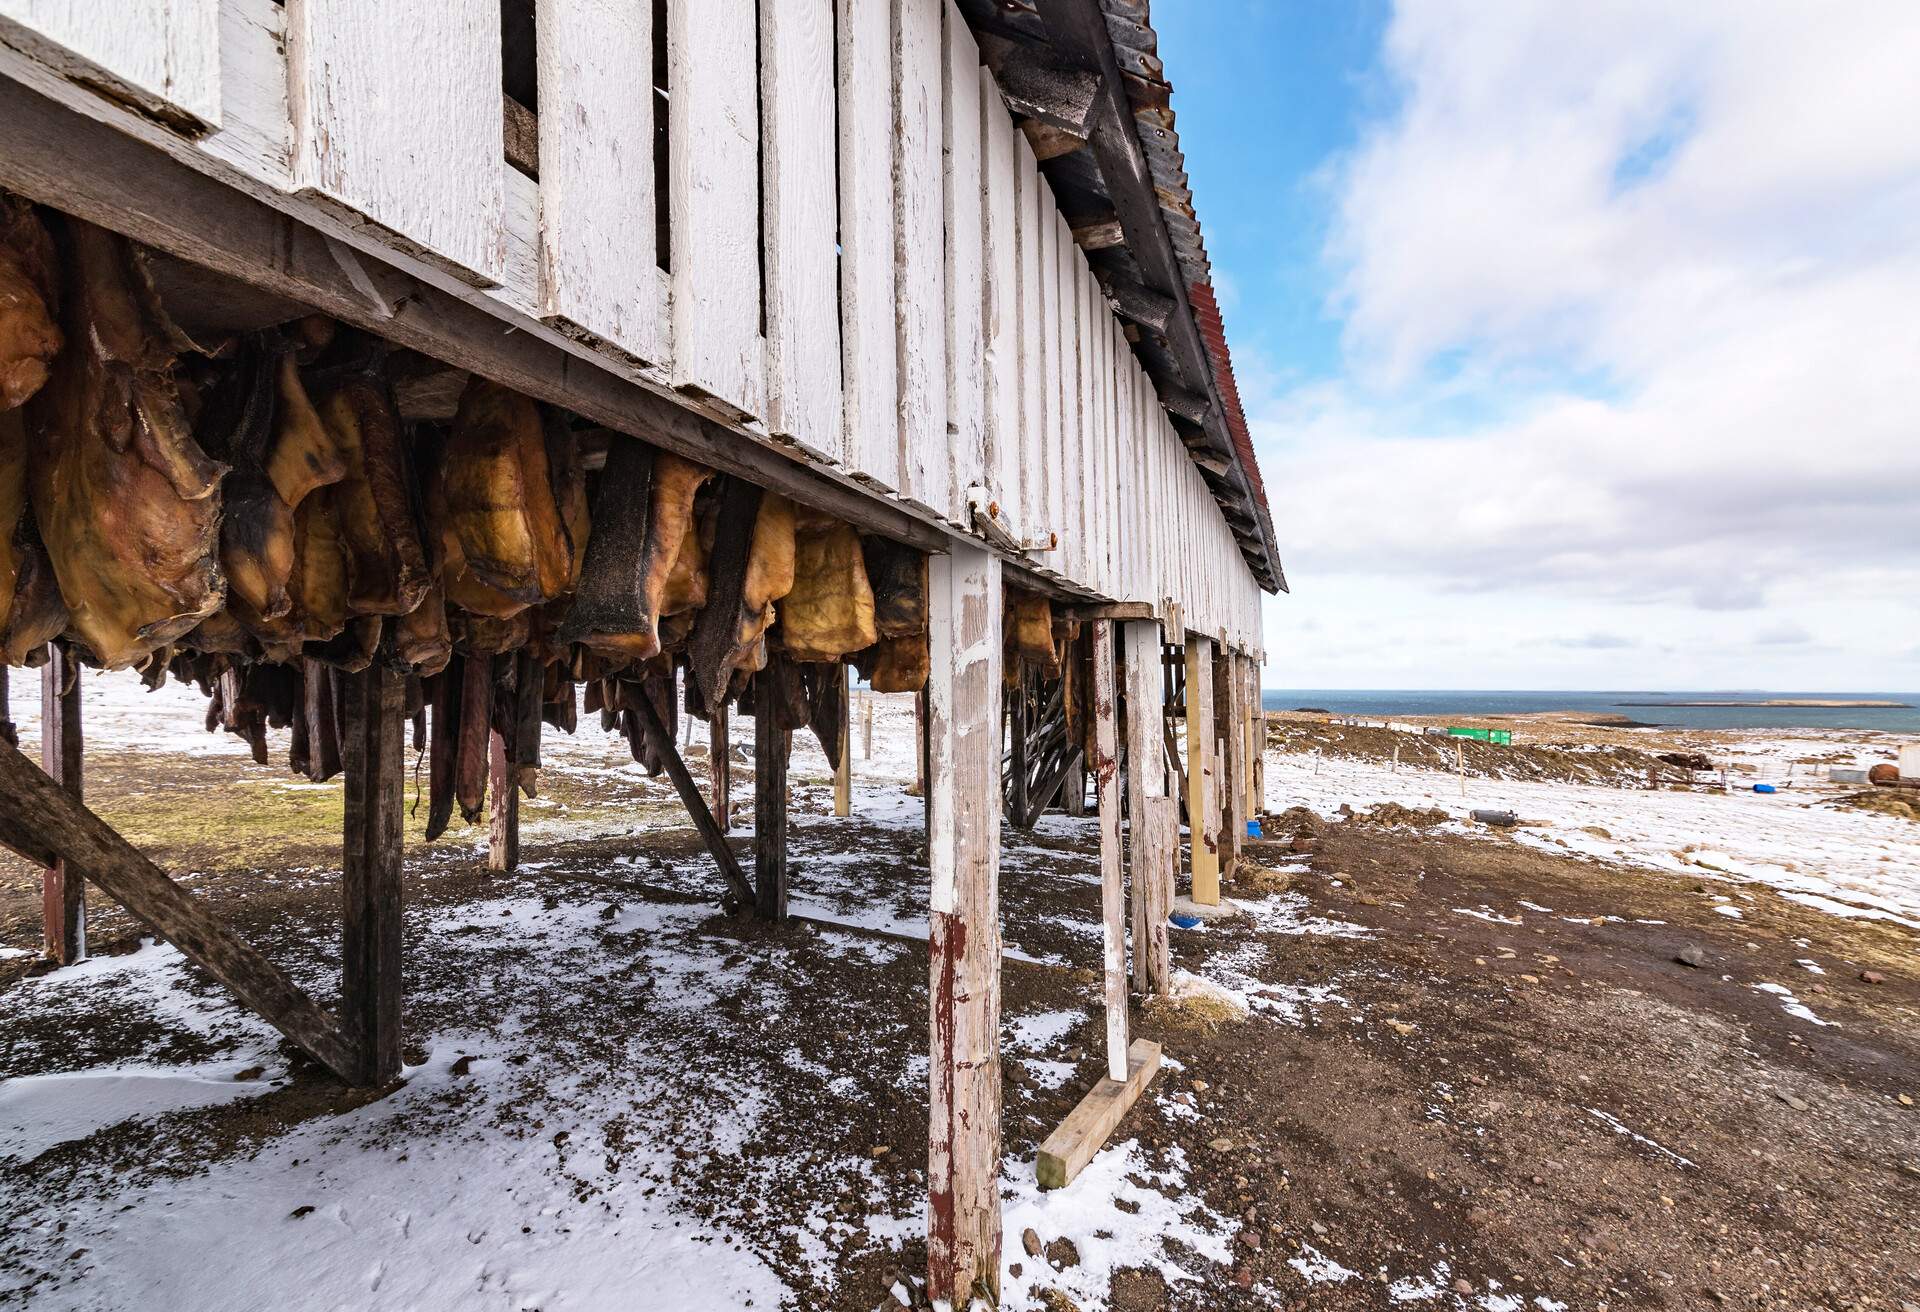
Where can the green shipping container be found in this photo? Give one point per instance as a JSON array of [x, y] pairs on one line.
[[1500, 737]]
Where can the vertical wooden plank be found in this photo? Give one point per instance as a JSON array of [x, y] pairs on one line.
[[965, 244], [963, 807], [1002, 271], [919, 254], [1032, 200], [843, 768], [63, 899], [599, 269], [396, 118], [868, 334], [9, 732], [1113, 894], [802, 221], [1230, 775], [1092, 307], [772, 746], [1072, 527], [1203, 823], [372, 756], [1049, 365], [161, 56], [713, 172], [720, 766], [503, 798], [1150, 861]]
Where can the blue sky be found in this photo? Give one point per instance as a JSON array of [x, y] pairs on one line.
[[1577, 341]]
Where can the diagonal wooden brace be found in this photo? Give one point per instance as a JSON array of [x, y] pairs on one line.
[[739, 891], [44, 823]]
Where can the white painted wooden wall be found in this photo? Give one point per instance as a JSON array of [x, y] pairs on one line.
[[872, 273]]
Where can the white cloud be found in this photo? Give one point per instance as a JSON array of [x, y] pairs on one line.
[[1631, 296]]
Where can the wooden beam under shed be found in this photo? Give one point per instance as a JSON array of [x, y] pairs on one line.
[[963, 850], [1113, 888], [843, 768], [1203, 816], [372, 756], [1154, 823], [63, 898], [772, 746]]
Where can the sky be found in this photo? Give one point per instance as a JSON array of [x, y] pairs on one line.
[[1580, 343]]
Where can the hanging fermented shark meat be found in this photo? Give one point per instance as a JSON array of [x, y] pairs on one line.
[[421, 638], [515, 500], [898, 663], [1029, 622], [751, 569], [386, 565], [126, 502], [29, 300], [826, 706], [643, 523], [443, 697], [829, 611], [470, 752]]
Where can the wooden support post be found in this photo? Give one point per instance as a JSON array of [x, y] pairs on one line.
[[1113, 891], [771, 746], [1203, 816], [44, 823], [720, 766], [63, 897], [372, 755], [1017, 750], [9, 734], [1256, 739], [739, 893], [964, 803], [503, 784], [1153, 825], [866, 726], [843, 768], [1229, 777]]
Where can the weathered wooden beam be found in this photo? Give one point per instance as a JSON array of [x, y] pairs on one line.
[[1037, 89], [1152, 815], [1017, 781], [503, 820], [739, 896], [9, 732], [133, 188], [772, 745], [963, 849], [1184, 404], [720, 764], [372, 753], [520, 136], [44, 823], [1097, 232], [843, 768], [1113, 890], [1147, 308], [1087, 1127], [1227, 741], [1049, 142], [1203, 816], [63, 897]]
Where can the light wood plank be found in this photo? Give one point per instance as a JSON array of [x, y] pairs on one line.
[[1113, 891], [404, 141], [713, 179], [1203, 819], [1085, 1131], [869, 335], [162, 55], [963, 846], [920, 315], [1150, 855], [965, 245], [599, 271], [802, 219]]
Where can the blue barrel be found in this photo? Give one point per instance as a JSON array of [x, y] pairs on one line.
[[1765, 788]]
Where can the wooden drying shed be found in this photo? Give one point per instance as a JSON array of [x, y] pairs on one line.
[[444, 360]]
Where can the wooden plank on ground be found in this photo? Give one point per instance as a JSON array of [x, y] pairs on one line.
[[713, 182], [1087, 1126], [63, 898], [963, 848], [599, 269], [1113, 890], [801, 232], [868, 332], [396, 118], [44, 823], [372, 754]]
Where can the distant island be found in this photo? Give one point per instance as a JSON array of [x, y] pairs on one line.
[[1803, 702]]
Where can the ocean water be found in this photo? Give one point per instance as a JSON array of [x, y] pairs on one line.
[[1388, 702]]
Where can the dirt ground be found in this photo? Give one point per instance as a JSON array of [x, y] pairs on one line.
[[1491, 1084]]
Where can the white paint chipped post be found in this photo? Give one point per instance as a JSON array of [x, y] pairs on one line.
[[1203, 816], [1113, 892], [963, 849], [1151, 839]]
